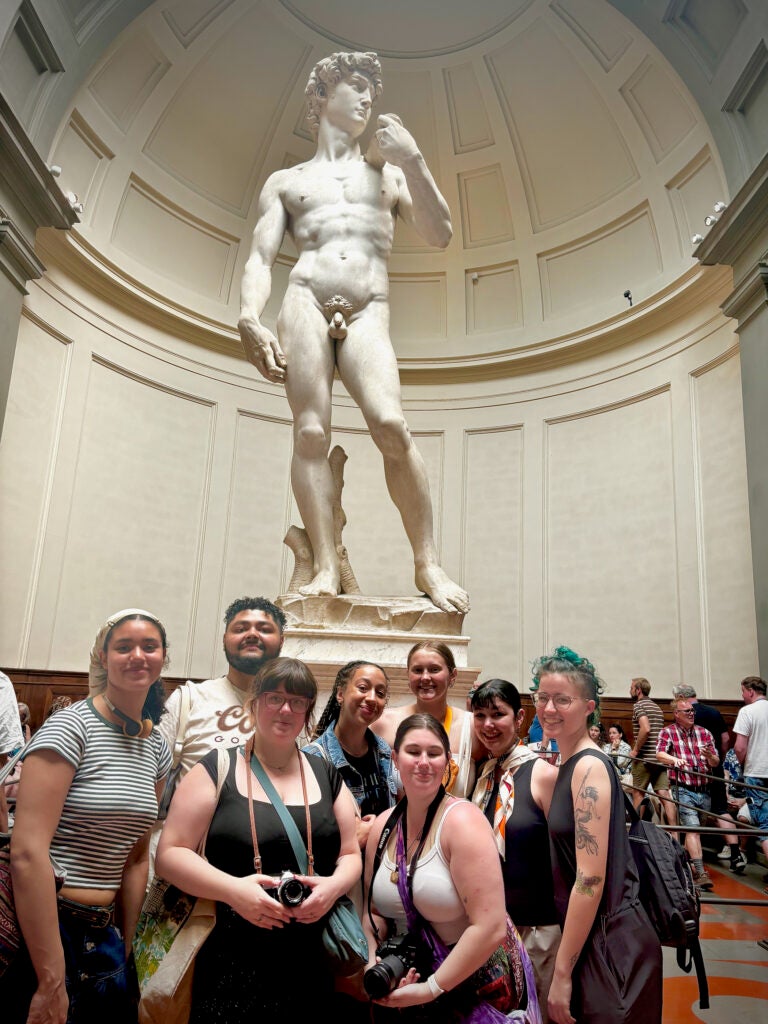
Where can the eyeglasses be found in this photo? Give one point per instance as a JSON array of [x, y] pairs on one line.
[[685, 711], [275, 701], [558, 699]]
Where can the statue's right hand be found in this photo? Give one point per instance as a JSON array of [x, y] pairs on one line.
[[262, 349]]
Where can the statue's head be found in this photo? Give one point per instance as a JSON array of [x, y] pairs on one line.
[[330, 70]]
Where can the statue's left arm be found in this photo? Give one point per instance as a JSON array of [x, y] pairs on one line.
[[420, 202]]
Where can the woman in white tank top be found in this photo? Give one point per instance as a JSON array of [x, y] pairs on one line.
[[439, 851]]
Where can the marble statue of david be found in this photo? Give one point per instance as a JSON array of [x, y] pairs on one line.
[[340, 209]]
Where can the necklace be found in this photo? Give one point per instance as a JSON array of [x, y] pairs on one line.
[[409, 850], [129, 725]]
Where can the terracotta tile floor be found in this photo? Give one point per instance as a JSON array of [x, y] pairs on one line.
[[737, 968]]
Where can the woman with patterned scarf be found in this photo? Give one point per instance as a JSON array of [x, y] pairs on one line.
[[514, 790]]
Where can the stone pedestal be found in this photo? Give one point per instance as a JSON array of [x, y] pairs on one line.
[[327, 632]]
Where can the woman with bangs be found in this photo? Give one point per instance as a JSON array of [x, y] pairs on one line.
[[514, 792], [264, 958], [608, 968]]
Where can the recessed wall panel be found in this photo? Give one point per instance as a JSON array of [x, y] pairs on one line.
[[724, 517], [493, 298], [128, 77], [137, 513], [214, 133], [599, 268], [660, 108], [470, 126], [693, 193], [378, 547], [493, 573], [258, 506], [485, 215], [168, 241], [27, 455], [611, 586], [417, 309], [84, 159], [568, 164]]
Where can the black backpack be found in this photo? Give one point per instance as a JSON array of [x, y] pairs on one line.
[[668, 894]]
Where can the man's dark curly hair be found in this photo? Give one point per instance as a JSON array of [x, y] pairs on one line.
[[247, 604]]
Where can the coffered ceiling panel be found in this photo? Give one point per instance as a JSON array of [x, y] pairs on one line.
[[573, 159], [571, 152]]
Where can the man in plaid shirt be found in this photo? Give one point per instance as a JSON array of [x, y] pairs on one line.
[[689, 752]]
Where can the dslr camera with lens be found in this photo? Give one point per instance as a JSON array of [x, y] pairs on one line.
[[289, 890], [398, 954]]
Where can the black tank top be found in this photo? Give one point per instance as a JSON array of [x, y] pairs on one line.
[[621, 881], [528, 887], [230, 846]]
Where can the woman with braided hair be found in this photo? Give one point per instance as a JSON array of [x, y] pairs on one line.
[[608, 968], [343, 736]]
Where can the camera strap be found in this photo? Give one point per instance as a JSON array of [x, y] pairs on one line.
[[304, 858], [390, 825]]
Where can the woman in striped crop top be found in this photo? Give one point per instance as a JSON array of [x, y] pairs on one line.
[[87, 801]]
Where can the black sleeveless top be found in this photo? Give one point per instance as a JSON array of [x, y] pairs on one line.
[[622, 881], [230, 847], [618, 976], [526, 866]]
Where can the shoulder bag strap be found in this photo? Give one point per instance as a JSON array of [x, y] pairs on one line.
[[186, 704], [222, 764], [304, 857], [9, 765]]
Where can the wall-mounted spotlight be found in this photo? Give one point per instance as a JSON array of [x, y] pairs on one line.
[[710, 220], [55, 170], [74, 202], [695, 239], [719, 207], [628, 296]]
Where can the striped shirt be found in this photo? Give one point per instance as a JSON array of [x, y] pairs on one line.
[[111, 802], [655, 717]]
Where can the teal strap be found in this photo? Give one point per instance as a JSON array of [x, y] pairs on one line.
[[291, 828]]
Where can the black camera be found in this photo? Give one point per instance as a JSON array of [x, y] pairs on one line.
[[398, 954], [290, 891]]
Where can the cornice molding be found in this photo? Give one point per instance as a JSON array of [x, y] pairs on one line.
[[24, 172], [750, 297], [741, 224], [89, 268], [17, 258]]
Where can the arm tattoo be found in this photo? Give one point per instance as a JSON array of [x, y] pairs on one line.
[[585, 885], [583, 812]]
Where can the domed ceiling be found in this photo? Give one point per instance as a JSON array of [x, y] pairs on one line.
[[576, 164]]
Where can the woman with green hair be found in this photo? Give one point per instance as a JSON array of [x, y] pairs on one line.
[[608, 968]]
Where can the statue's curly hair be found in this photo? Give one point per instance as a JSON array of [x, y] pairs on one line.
[[330, 70], [568, 663]]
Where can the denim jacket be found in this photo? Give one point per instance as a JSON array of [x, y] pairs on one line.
[[328, 746]]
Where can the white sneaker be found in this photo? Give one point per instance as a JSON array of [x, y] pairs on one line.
[[725, 853]]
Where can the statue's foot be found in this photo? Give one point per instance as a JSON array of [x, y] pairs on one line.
[[441, 590], [325, 584]]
